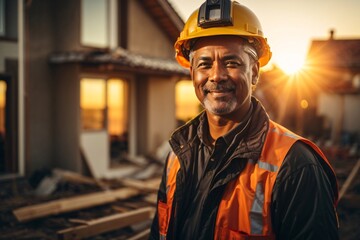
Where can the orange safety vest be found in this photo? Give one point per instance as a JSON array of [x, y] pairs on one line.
[[244, 210]]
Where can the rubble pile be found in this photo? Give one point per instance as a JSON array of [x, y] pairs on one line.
[[65, 205]]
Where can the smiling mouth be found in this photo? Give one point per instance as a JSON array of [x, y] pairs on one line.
[[218, 92]]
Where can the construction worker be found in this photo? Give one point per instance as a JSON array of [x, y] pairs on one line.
[[233, 173]]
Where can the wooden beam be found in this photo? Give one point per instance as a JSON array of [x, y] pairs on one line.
[[73, 203], [148, 185], [106, 224], [151, 198]]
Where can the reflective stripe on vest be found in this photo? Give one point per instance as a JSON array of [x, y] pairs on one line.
[[244, 210]]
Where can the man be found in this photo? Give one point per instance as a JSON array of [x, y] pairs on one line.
[[233, 173]]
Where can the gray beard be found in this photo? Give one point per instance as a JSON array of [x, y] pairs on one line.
[[226, 108]]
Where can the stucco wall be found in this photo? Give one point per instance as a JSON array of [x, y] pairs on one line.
[[39, 87], [53, 92], [161, 112], [66, 18], [352, 113], [66, 133], [145, 37], [342, 113]]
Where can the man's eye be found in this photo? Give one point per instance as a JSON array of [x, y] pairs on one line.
[[232, 64], [204, 65]]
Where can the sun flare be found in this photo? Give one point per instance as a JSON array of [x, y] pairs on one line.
[[291, 64]]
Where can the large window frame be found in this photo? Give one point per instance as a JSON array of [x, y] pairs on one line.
[[108, 102], [107, 16]]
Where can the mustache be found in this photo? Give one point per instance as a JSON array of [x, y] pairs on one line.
[[222, 86]]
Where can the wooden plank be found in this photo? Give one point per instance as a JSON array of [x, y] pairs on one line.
[[148, 185], [151, 198], [73, 203], [350, 178], [106, 224]]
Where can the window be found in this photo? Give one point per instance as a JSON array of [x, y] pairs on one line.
[[104, 106], [95, 23], [187, 104], [8, 126], [9, 19], [2, 106], [118, 117], [3, 161], [93, 104]]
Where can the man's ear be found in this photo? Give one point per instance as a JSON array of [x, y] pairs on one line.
[[255, 72]]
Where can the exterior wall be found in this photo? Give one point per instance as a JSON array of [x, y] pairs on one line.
[[342, 113], [144, 36], [53, 94], [352, 114], [66, 133], [142, 109], [39, 87], [7, 50], [331, 106], [66, 31], [161, 114]]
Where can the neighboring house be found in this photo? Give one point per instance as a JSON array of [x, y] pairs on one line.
[[334, 66], [93, 78], [322, 100]]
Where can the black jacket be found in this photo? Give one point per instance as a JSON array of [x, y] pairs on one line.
[[302, 199]]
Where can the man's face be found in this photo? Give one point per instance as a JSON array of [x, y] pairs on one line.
[[222, 74]]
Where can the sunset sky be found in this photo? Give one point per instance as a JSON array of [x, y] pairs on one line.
[[291, 25]]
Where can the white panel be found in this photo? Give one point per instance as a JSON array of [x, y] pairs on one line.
[[95, 145]]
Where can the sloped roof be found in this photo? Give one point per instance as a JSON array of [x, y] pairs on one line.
[[341, 53], [334, 63], [119, 57], [165, 16]]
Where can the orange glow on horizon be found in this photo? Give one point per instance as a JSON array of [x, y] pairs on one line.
[[92, 94]]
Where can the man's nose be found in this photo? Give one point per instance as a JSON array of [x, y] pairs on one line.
[[218, 72]]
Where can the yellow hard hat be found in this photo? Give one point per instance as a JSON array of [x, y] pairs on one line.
[[222, 17]]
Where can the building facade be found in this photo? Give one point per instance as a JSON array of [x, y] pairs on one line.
[[86, 79]]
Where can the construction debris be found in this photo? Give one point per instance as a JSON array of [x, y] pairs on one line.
[[106, 224], [72, 204], [60, 204]]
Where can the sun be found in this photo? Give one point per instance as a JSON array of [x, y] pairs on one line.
[[291, 64]]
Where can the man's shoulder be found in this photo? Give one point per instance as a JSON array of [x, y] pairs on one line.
[[300, 157]]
